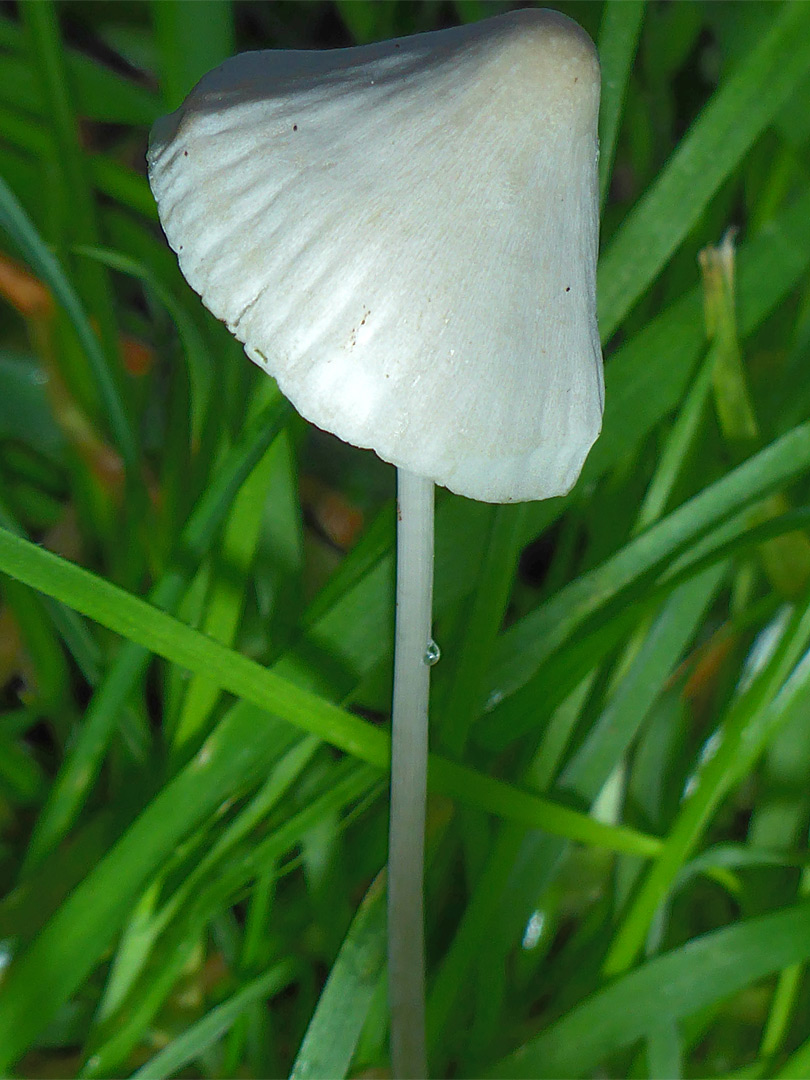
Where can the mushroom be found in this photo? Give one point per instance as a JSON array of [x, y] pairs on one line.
[[405, 235]]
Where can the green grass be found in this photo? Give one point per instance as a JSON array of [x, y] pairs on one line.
[[196, 608]]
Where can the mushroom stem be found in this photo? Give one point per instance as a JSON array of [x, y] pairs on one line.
[[413, 655]]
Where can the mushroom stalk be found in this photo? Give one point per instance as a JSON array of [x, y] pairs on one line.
[[414, 652]]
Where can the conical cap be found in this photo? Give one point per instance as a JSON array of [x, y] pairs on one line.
[[405, 236]]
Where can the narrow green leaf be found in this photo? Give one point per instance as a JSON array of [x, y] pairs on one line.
[[677, 985], [124, 185], [211, 886], [751, 720], [676, 448], [464, 697], [192, 36], [366, 22], [200, 1036], [195, 349], [797, 1066], [155, 630], [233, 759], [147, 925], [647, 377], [524, 647], [68, 175], [227, 595], [80, 767], [22, 780], [659, 653], [610, 737], [732, 394], [101, 94], [723, 133], [21, 229], [618, 40], [109, 176], [664, 1051], [50, 670], [451, 979], [326, 1052]]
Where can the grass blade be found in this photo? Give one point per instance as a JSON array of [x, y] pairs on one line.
[[618, 40], [79, 769], [751, 721], [200, 1036], [233, 758], [332, 1035], [677, 985], [155, 630], [523, 648], [192, 36], [101, 94], [726, 129], [45, 265]]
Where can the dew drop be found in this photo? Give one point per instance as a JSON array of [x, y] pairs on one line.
[[495, 698], [432, 653], [534, 931], [6, 953]]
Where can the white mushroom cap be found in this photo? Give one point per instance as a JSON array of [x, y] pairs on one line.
[[405, 235]]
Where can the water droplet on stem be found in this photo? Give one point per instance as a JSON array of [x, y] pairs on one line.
[[432, 653]]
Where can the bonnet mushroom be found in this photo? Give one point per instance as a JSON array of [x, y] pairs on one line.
[[405, 235]]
